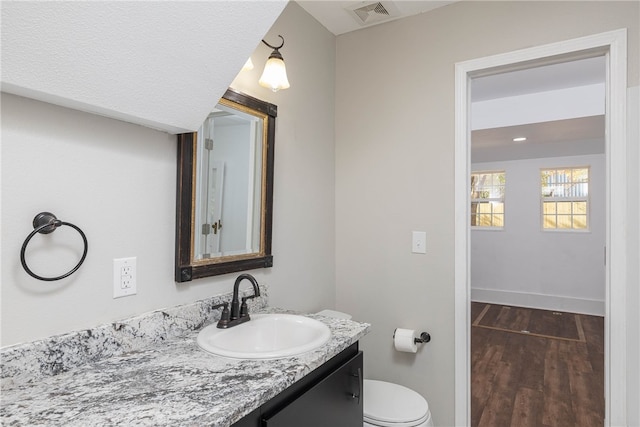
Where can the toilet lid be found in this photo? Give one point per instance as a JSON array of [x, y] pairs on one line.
[[392, 404]]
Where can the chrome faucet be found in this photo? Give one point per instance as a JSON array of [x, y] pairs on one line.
[[239, 312]]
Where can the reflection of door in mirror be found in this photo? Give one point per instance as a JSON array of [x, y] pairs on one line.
[[209, 191], [229, 188]]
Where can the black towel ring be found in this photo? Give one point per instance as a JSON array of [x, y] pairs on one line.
[[45, 223]]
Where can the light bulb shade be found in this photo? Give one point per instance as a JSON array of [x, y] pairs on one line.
[[274, 75]]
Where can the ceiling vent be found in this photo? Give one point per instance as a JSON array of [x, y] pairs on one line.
[[372, 13]]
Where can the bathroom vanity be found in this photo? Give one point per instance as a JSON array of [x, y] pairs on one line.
[[149, 370], [331, 395]]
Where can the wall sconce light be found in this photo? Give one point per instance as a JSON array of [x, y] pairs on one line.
[[274, 75]]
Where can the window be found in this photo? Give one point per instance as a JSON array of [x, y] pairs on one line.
[[565, 198], [487, 199]]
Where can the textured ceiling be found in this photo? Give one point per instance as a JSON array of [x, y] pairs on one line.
[[159, 64]]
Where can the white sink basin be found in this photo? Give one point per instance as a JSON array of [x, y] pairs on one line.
[[265, 336]]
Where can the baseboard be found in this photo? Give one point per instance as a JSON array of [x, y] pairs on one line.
[[544, 302]]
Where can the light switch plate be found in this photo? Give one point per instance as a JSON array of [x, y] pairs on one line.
[[419, 242], [124, 277]]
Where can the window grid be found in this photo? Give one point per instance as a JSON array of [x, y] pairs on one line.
[[565, 199], [487, 199]]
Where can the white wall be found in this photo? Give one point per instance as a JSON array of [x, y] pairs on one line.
[[117, 182], [525, 266], [394, 167]]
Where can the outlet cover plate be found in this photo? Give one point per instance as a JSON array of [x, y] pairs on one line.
[[124, 277]]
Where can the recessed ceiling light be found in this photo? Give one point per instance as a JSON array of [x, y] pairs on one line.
[[519, 139]]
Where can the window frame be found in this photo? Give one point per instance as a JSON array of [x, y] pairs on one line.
[[571, 199], [489, 200]]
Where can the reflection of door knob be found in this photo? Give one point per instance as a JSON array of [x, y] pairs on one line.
[[217, 226]]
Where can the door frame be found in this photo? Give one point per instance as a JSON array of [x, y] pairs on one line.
[[613, 45]]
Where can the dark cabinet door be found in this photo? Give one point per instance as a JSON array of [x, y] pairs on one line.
[[336, 401]]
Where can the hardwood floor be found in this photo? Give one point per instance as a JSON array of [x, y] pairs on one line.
[[536, 368]]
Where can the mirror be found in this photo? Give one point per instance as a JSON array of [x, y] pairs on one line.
[[225, 190]]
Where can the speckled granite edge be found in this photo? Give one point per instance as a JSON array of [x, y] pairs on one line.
[[26, 362]]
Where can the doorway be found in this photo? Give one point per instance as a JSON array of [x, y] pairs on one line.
[[536, 245], [613, 46]]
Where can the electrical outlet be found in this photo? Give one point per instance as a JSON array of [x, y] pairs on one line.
[[124, 277]]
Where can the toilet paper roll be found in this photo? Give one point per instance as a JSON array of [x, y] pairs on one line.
[[404, 340]]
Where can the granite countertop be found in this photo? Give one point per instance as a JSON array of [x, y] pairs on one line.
[[172, 382]]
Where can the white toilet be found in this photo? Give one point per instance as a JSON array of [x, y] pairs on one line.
[[388, 404], [392, 405]]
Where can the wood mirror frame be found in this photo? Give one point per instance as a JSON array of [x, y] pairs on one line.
[[187, 267]]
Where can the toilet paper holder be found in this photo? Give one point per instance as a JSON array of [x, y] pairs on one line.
[[424, 337]]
